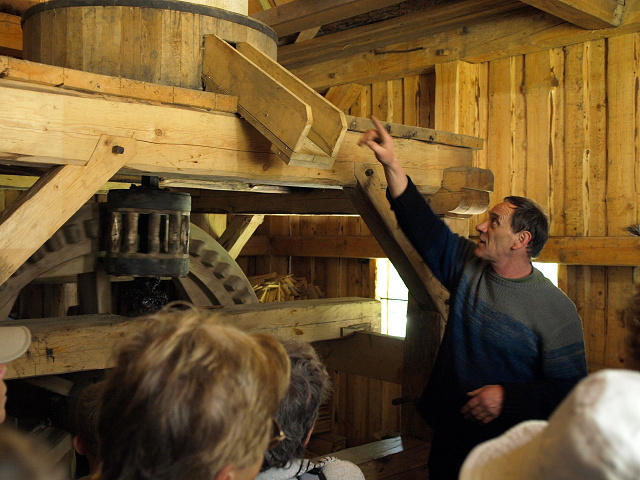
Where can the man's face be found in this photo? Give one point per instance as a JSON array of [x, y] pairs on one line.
[[496, 237], [3, 392]]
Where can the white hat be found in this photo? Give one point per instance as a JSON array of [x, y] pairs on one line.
[[593, 435], [14, 341]]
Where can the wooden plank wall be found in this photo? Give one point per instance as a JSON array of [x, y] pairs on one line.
[[562, 128]]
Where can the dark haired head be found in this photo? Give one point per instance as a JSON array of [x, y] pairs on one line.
[[528, 216], [297, 412]]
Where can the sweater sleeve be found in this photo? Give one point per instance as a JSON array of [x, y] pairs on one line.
[[442, 250]]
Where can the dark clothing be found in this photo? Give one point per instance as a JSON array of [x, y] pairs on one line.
[[524, 335]]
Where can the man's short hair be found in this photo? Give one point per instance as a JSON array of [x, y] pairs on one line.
[[187, 397], [298, 411], [529, 216], [86, 417]]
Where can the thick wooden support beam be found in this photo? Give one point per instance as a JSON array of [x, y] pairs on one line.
[[53, 199], [374, 209], [343, 96], [238, 232], [68, 78], [371, 355], [610, 251], [299, 15], [85, 342], [513, 29], [393, 458], [583, 13], [462, 201], [52, 126], [306, 129]]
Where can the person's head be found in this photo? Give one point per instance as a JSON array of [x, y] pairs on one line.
[[298, 411], [14, 341], [515, 224], [190, 399], [24, 458], [630, 350], [593, 434], [85, 440]]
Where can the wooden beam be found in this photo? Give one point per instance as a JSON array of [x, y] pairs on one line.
[[85, 342], [605, 251], [67, 78], [299, 15], [371, 355], [64, 126], [321, 64], [326, 246], [609, 251], [374, 209], [308, 34], [375, 37], [34, 217], [343, 96], [587, 14], [24, 182], [463, 201], [238, 232], [397, 130]]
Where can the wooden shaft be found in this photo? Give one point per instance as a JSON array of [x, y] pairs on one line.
[[115, 233], [131, 232], [154, 233]]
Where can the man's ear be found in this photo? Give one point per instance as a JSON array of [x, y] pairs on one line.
[[226, 473], [522, 240], [78, 445]]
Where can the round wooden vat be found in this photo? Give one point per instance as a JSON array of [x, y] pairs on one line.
[[158, 41]]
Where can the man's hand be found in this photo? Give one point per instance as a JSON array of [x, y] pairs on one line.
[[485, 404], [379, 140]]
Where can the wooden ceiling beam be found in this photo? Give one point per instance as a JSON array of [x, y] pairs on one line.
[[588, 14], [450, 16], [522, 31], [63, 127], [299, 15], [609, 251]]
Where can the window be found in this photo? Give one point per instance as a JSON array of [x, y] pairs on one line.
[[393, 294]]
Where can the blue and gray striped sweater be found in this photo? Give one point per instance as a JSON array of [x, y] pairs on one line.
[[524, 335]]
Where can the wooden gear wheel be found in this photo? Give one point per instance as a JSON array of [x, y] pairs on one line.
[[214, 279]]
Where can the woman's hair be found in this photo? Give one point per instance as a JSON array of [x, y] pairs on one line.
[[529, 216], [297, 413], [187, 397], [24, 458]]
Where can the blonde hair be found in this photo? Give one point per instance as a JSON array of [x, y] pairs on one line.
[[187, 397]]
